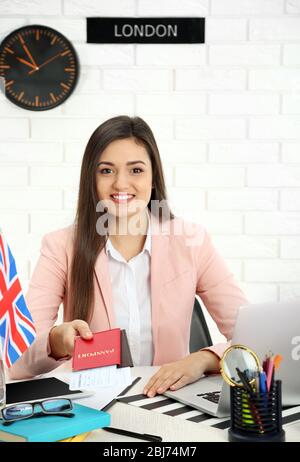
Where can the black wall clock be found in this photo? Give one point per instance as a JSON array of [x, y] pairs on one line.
[[40, 67]]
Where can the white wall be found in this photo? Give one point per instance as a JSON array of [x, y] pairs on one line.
[[226, 115]]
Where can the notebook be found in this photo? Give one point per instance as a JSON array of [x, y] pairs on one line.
[[37, 389], [42, 428]]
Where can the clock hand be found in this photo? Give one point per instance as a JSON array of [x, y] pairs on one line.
[[27, 63], [24, 46], [29, 55], [46, 62]]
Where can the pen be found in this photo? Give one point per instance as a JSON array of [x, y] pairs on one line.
[[113, 401], [136, 380], [270, 371], [266, 363], [249, 389], [244, 381], [263, 382], [257, 382], [140, 436], [277, 361]]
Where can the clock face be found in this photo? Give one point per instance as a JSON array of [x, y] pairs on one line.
[[39, 66]]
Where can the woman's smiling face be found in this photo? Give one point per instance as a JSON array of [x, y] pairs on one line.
[[124, 177]]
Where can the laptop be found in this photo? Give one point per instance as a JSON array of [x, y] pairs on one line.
[[262, 327]]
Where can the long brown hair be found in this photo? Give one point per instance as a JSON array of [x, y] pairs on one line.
[[87, 242]]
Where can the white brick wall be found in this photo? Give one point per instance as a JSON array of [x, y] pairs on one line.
[[275, 29], [272, 270], [290, 247], [171, 105], [291, 54], [244, 55], [245, 152], [183, 55], [226, 116], [207, 177], [290, 200], [209, 78], [284, 79], [243, 104], [94, 8], [210, 128], [243, 199], [225, 29], [290, 152], [248, 7], [32, 7], [134, 80], [173, 8]]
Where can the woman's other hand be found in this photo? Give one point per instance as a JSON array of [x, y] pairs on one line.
[[62, 337], [179, 373]]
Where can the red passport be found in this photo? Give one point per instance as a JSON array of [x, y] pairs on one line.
[[104, 349]]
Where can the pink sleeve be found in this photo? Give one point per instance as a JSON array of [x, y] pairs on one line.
[[218, 290], [45, 294]]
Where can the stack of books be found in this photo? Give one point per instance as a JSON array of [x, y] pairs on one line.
[[46, 428]]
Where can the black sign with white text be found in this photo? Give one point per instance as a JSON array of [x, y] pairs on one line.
[[145, 30]]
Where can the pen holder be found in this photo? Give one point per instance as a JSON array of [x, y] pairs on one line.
[[256, 416]]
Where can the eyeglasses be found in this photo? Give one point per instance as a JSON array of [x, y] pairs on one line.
[[21, 411]]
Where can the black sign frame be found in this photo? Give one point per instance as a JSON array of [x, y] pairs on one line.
[[145, 30]]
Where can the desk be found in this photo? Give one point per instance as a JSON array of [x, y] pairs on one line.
[[171, 429], [144, 421]]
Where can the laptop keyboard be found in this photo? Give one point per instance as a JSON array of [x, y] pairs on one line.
[[212, 396]]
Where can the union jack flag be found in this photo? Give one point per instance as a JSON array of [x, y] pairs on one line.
[[17, 331]]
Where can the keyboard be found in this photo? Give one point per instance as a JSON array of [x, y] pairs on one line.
[[212, 396]]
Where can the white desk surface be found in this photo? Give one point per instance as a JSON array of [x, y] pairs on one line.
[[143, 421], [171, 429]]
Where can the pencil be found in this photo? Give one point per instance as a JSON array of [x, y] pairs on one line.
[[76, 438]]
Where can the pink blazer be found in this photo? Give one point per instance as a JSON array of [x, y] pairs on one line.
[[184, 262]]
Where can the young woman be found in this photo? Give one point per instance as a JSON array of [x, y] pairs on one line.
[[128, 262]]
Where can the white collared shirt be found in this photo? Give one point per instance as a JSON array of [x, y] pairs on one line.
[[131, 292]]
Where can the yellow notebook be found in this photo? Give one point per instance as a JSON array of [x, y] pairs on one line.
[[76, 438]]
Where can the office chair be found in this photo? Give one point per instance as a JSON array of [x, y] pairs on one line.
[[199, 333]]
